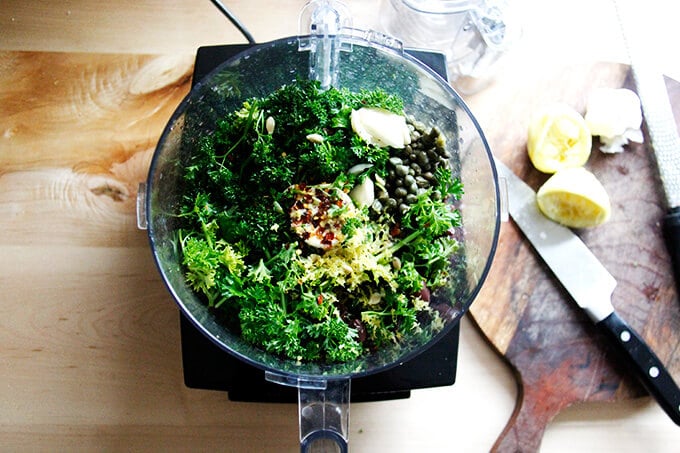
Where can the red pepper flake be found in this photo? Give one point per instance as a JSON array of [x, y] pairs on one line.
[[319, 299], [395, 230], [328, 238]]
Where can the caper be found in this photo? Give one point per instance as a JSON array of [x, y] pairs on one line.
[[421, 158], [403, 208], [402, 170], [391, 203], [377, 206], [413, 188], [395, 161], [400, 192], [422, 182], [416, 168], [411, 198], [408, 180]]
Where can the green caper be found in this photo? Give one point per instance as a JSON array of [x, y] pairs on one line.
[[422, 182], [401, 170]]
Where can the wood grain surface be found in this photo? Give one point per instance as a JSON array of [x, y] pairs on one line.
[[89, 339], [90, 357], [78, 132], [558, 357]]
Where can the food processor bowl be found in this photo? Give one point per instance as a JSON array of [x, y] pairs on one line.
[[362, 60]]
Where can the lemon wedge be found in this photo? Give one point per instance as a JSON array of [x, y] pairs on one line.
[[575, 198], [558, 138]]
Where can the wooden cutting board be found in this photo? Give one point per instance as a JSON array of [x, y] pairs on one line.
[[556, 353]]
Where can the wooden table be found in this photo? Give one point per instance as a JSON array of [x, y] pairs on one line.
[[89, 336]]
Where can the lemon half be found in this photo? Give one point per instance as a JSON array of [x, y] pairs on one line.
[[575, 198], [558, 138]]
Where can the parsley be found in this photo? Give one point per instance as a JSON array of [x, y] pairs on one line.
[[240, 253]]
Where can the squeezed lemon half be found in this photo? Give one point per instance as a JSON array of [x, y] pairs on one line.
[[558, 138], [575, 198]]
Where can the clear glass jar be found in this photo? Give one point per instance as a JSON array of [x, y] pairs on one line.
[[473, 34]]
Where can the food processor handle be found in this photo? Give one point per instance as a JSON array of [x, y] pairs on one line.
[[307, 444], [323, 21], [324, 414]]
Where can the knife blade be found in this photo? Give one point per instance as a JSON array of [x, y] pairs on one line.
[[659, 119], [591, 286]]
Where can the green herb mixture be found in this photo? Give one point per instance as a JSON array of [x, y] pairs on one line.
[[252, 190]]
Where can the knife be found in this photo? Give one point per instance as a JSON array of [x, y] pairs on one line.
[[659, 119], [591, 286]]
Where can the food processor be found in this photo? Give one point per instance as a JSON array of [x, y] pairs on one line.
[[329, 50]]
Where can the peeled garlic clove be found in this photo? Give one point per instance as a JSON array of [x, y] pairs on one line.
[[363, 194], [358, 169], [614, 114], [380, 127]]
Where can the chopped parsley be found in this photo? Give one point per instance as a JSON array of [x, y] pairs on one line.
[[241, 254]]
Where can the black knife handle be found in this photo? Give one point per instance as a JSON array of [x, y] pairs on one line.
[[645, 364], [671, 233]]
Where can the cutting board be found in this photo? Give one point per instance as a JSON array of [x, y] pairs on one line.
[[558, 357]]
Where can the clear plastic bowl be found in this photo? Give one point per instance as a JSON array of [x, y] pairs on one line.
[[363, 64]]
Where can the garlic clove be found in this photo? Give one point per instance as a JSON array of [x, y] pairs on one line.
[[380, 127], [363, 194], [615, 115]]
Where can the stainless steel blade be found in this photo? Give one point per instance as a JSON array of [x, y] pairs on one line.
[[656, 106], [579, 271]]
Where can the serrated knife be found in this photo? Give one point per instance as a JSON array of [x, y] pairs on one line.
[[658, 115], [591, 286]]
